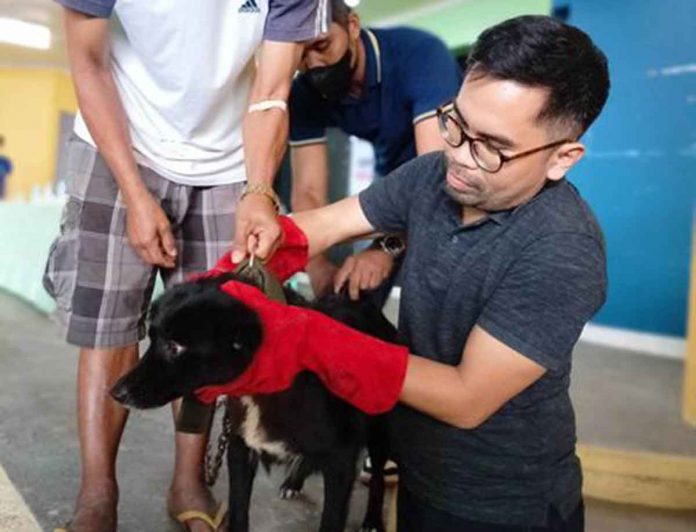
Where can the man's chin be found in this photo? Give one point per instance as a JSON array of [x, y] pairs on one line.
[[463, 198]]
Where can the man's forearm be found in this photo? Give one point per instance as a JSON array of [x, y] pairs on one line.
[[265, 139], [265, 130], [438, 390], [489, 375], [338, 222], [106, 120], [306, 200], [310, 177]]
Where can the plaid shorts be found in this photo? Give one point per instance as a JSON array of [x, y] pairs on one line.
[[101, 286]]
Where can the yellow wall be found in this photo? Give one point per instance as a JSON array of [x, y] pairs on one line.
[[31, 101]]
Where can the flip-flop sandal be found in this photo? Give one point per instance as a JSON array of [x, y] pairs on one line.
[[213, 522]]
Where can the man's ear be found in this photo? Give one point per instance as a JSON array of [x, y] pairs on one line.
[[563, 159]]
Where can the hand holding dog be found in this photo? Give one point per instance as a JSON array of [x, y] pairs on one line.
[[290, 258], [366, 270], [364, 371], [256, 223]]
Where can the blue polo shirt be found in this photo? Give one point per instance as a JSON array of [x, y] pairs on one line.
[[408, 73]]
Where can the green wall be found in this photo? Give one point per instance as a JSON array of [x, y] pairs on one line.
[[457, 23]]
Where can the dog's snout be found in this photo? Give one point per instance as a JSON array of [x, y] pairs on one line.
[[120, 392]]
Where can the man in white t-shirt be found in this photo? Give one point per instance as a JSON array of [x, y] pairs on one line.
[[155, 172]]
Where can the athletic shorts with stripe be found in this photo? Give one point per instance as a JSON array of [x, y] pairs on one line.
[[101, 286]]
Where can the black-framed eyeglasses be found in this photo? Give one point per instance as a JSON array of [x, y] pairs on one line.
[[486, 157]]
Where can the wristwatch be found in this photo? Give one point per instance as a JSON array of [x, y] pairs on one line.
[[392, 245]]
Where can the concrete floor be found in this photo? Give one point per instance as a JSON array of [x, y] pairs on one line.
[[621, 400]]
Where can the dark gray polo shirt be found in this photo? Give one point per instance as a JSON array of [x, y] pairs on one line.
[[531, 277]]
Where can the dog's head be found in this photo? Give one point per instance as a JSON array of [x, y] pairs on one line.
[[199, 335]]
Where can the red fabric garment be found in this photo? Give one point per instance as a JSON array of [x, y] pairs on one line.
[[362, 370], [290, 258]]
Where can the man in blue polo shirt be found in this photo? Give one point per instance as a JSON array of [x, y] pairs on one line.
[[379, 85]]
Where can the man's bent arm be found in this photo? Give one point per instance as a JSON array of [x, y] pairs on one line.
[[489, 375]]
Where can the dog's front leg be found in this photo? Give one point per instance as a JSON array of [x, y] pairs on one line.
[[339, 475], [241, 467]]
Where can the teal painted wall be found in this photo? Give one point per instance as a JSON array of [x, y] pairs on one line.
[[639, 174], [456, 23]]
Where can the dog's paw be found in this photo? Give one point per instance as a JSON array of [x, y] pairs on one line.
[[289, 493], [371, 528]]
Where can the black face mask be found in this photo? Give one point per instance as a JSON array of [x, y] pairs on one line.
[[333, 81]]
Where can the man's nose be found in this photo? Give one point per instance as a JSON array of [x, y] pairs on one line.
[[462, 156]]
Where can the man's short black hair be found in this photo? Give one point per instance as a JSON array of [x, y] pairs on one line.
[[340, 12], [544, 52]]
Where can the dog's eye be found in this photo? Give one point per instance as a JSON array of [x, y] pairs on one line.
[[237, 345], [174, 347]]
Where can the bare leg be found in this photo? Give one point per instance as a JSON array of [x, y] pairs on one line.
[[100, 424], [188, 490]]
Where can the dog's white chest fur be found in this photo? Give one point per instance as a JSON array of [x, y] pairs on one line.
[[254, 435]]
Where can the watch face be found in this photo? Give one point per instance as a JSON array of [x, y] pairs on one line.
[[393, 245]]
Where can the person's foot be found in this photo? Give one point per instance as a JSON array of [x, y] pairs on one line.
[[196, 497], [95, 510]]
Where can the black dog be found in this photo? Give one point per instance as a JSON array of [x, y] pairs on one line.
[[199, 336]]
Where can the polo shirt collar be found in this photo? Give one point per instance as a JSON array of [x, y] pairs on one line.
[[454, 213], [498, 217], [373, 58]]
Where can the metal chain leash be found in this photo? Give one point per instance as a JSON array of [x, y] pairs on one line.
[[213, 460]]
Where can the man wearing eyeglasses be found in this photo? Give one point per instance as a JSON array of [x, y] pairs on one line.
[[506, 264]]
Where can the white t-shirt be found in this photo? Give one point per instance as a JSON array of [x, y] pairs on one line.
[[184, 70]]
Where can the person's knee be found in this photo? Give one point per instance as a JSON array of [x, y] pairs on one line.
[[109, 361]]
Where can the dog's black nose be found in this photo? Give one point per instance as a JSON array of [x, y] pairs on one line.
[[120, 392]]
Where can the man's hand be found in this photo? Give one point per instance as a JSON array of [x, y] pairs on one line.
[[257, 229], [364, 271], [149, 231], [321, 273]]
